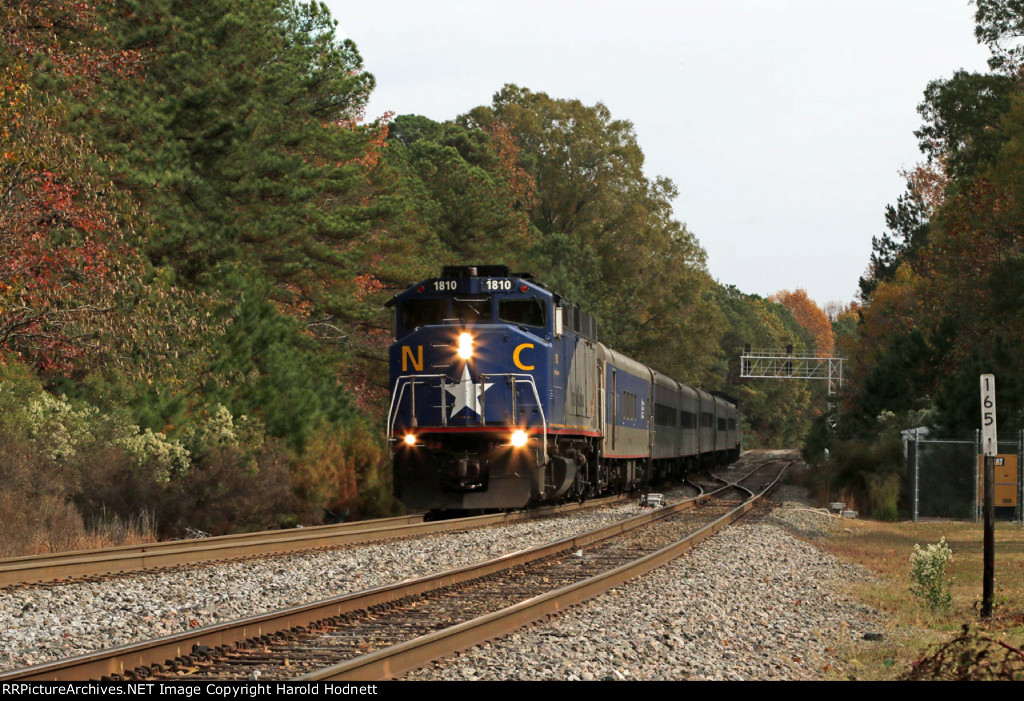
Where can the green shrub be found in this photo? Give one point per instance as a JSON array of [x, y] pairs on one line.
[[219, 428], [864, 472], [818, 440], [155, 453], [928, 574], [884, 494], [227, 491], [57, 427]]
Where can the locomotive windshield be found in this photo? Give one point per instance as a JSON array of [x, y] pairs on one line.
[[422, 312], [470, 309], [467, 310], [528, 312]]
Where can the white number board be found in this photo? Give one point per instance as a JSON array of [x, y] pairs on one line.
[[989, 443]]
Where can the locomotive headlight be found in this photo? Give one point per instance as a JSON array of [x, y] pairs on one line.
[[410, 439], [518, 439], [465, 346]]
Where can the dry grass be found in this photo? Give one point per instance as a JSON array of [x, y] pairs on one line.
[[885, 549], [60, 528]]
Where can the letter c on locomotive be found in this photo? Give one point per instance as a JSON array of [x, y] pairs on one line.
[[515, 356]]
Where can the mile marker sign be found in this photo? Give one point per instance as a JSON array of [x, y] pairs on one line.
[[989, 444]]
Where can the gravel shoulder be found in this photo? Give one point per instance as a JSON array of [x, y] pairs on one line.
[[754, 603]]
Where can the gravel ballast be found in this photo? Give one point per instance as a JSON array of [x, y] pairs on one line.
[[44, 623], [751, 603]]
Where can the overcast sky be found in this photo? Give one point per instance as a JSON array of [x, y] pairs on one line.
[[784, 123]]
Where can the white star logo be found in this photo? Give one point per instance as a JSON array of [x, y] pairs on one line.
[[466, 393]]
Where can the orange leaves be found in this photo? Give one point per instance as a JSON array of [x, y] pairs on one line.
[[56, 257], [894, 306], [809, 315], [521, 183], [930, 182], [377, 142], [367, 285], [376, 139], [68, 34]]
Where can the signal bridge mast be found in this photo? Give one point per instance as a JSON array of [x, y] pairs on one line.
[[800, 365]]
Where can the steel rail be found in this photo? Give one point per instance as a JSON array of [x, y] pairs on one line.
[[123, 659], [393, 661], [130, 558]]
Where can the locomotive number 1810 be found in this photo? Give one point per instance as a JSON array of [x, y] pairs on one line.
[[502, 397]]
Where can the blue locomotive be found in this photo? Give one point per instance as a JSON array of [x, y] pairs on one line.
[[502, 397]]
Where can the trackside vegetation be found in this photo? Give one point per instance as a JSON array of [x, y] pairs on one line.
[[933, 630], [941, 301], [200, 226]]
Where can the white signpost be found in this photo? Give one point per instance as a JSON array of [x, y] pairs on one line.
[[990, 447], [989, 444]]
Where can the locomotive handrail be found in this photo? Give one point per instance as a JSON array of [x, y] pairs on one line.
[[540, 407], [410, 380], [396, 398]]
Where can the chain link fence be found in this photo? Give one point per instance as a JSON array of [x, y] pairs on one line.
[[944, 478]]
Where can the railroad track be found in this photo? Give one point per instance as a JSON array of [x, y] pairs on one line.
[[385, 631], [62, 567]]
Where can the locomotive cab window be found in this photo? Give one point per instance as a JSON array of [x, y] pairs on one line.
[[471, 309], [528, 312], [421, 312], [567, 316]]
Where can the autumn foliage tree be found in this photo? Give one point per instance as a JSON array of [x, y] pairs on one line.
[[809, 315], [231, 135], [64, 258], [943, 298], [776, 413]]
